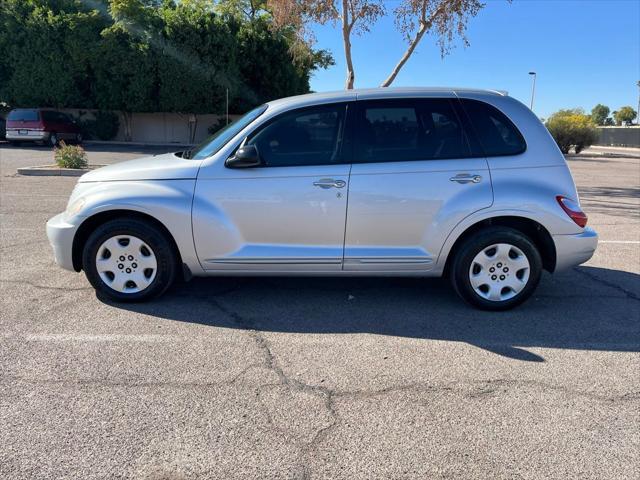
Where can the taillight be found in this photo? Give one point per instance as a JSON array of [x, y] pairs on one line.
[[573, 209]]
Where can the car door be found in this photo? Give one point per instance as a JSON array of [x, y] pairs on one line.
[[286, 215], [413, 179]]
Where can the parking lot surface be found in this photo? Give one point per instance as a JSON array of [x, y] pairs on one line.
[[317, 378]]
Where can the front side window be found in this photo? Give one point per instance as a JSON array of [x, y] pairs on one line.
[[496, 133], [403, 130], [310, 136]]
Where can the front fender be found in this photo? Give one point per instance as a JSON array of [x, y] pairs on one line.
[[167, 201]]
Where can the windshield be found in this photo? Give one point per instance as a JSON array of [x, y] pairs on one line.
[[216, 141]]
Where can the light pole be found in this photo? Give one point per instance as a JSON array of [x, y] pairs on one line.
[[638, 117], [533, 88]]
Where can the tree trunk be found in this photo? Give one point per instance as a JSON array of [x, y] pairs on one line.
[[127, 117], [346, 38], [412, 46]]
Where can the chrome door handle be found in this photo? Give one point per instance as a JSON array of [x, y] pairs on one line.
[[466, 178], [329, 183]]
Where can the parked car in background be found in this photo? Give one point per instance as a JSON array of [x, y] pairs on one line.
[[408, 182], [3, 126], [41, 125]]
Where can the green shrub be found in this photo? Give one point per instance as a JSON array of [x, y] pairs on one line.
[[572, 128], [214, 127], [105, 126], [70, 156]]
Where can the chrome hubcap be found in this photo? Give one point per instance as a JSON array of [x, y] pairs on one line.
[[126, 264], [499, 272]]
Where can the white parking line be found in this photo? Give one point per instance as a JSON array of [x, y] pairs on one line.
[[79, 337], [34, 195], [633, 242]]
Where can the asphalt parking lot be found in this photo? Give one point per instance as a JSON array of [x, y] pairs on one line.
[[317, 378]]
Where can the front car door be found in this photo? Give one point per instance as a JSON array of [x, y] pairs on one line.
[[287, 215], [413, 179]]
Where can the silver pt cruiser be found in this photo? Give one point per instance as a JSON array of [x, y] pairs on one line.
[[425, 182]]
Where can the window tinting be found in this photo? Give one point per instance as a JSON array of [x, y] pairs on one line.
[[23, 115], [304, 137], [497, 134], [401, 130]]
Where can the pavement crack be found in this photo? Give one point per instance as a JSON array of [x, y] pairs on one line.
[[615, 286], [270, 362]]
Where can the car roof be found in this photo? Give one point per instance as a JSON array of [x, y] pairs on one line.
[[36, 109], [377, 93]]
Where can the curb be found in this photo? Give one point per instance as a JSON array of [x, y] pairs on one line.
[[52, 171], [602, 155], [137, 144]]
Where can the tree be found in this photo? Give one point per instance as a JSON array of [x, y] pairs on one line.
[[446, 19], [625, 114], [599, 114], [572, 128], [148, 55]]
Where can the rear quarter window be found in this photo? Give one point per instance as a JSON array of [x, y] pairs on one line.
[[497, 134], [23, 116]]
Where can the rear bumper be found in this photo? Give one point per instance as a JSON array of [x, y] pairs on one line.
[[60, 234], [572, 250], [29, 135]]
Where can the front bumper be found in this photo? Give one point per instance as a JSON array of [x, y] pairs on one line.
[[572, 250], [60, 234], [28, 135]]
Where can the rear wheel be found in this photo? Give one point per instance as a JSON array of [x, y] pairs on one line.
[[129, 260], [53, 139], [496, 269], [78, 138]]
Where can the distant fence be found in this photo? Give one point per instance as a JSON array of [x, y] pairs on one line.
[[161, 127], [619, 136]]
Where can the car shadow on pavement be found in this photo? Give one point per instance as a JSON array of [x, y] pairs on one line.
[[585, 308]]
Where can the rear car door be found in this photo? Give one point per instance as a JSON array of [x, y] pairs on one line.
[[412, 180], [287, 215]]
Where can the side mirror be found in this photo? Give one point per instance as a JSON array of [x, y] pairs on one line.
[[246, 157]]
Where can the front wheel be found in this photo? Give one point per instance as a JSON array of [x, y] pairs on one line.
[[129, 261], [496, 269]]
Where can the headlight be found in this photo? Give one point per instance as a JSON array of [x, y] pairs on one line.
[[75, 207]]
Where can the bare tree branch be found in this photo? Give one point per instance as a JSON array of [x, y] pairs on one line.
[[448, 18]]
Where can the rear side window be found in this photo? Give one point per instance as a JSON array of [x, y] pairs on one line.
[[58, 117], [23, 116], [403, 130], [496, 133], [311, 136]]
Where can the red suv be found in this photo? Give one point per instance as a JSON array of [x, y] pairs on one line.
[[40, 125]]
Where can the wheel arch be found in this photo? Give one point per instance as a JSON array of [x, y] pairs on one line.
[[534, 230], [91, 223]]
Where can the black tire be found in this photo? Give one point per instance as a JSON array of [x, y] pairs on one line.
[[78, 139], [160, 245], [472, 246], [53, 139]]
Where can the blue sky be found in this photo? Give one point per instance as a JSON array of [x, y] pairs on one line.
[[584, 51]]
